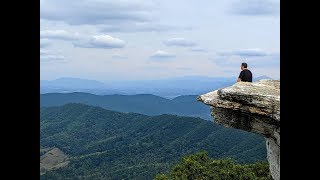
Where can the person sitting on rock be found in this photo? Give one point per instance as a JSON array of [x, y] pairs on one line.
[[245, 74]]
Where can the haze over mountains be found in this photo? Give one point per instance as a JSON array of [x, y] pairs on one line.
[[144, 103], [169, 88]]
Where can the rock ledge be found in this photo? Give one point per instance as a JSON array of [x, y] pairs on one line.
[[253, 107]]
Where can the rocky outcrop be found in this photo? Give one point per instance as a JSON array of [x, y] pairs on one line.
[[253, 107], [52, 159]]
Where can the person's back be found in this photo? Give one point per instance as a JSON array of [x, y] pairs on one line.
[[245, 74]]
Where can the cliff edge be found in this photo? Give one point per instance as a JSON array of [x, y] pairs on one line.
[[253, 107]]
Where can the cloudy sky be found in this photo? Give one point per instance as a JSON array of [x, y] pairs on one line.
[[157, 39]]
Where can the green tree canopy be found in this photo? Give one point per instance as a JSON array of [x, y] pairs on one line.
[[200, 166]]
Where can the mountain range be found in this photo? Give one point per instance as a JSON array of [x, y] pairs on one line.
[[169, 88], [143, 103], [95, 143]]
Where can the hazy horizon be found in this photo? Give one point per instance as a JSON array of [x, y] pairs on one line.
[[169, 78]]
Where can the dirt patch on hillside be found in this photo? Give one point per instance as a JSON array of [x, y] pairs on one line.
[[51, 159]]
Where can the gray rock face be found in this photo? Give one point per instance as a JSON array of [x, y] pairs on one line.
[[253, 107]]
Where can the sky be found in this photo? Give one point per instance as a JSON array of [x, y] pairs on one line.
[[158, 39]]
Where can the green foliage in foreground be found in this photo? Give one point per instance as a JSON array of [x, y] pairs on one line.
[[201, 166]]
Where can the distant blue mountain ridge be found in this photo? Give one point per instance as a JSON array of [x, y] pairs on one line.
[[147, 104], [169, 88]]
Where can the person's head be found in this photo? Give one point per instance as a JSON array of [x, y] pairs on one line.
[[244, 66]]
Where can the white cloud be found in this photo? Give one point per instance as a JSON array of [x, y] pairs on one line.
[[179, 42], [44, 43], [255, 7], [117, 56], [142, 27], [101, 41], [52, 57], [59, 34], [96, 11], [244, 53], [125, 16], [48, 56], [256, 58], [43, 51], [198, 49], [80, 40], [162, 55]]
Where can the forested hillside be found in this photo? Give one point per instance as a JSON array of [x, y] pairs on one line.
[[106, 144]]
